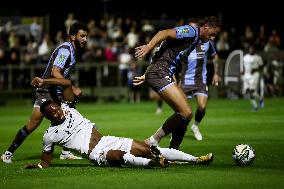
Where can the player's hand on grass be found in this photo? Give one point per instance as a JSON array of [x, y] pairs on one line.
[[37, 82], [138, 80], [33, 166]]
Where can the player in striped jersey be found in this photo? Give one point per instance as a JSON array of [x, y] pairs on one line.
[[60, 65], [159, 75], [193, 79]]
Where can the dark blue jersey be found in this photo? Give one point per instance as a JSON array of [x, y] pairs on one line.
[[187, 38]]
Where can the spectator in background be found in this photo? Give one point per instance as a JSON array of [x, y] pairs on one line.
[[125, 58], [45, 48], [132, 38], [134, 91], [261, 38], [69, 21], [30, 53], [59, 38], [222, 45], [271, 45], [147, 28], [36, 29], [248, 38]]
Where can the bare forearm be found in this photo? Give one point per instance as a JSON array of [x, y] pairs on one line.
[[57, 81], [215, 63], [160, 36]]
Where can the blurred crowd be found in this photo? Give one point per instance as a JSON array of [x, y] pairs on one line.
[[112, 39]]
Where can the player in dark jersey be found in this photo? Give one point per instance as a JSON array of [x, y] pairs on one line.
[[179, 41], [60, 65], [194, 78]]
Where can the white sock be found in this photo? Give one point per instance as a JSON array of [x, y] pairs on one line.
[[253, 102], [176, 155], [130, 159], [65, 152], [159, 135]]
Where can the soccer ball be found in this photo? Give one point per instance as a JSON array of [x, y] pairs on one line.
[[243, 154]]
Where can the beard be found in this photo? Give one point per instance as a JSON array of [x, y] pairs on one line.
[[79, 46]]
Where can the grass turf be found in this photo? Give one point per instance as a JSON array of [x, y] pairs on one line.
[[226, 124]]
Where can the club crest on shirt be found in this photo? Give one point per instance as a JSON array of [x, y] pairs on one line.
[[168, 78], [202, 47]]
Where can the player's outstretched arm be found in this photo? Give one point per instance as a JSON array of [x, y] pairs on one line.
[[38, 82], [141, 51]]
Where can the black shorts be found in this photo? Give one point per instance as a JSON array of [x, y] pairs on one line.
[[158, 77], [195, 90]]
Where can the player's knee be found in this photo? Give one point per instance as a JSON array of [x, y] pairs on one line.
[[202, 108], [186, 114], [115, 158]]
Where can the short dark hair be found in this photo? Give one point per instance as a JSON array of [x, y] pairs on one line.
[[212, 21], [193, 20], [74, 28], [43, 105]]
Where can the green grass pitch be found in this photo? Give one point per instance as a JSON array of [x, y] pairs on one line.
[[227, 123]]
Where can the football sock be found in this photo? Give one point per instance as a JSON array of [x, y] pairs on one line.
[[130, 159], [177, 136], [173, 122], [176, 155], [157, 136], [199, 115], [177, 125], [19, 138]]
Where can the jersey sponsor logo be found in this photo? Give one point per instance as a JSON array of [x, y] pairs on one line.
[[182, 31], [62, 58], [194, 56]]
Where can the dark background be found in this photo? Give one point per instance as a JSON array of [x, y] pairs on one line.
[[236, 13]]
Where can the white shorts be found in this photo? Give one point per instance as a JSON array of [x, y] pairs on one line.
[[251, 82], [107, 143]]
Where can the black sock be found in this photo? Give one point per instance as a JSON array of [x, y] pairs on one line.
[[20, 137], [199, 115], [177, 136], [173, 122]]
